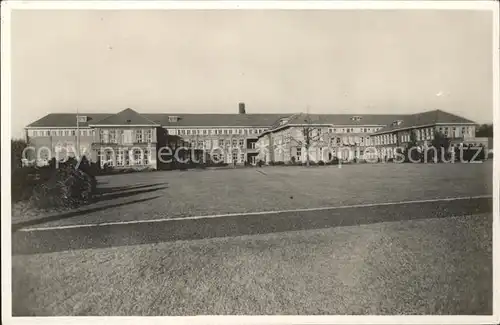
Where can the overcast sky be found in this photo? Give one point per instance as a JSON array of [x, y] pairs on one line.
[[275, 61]]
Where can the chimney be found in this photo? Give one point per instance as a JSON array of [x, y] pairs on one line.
[[241, 107]]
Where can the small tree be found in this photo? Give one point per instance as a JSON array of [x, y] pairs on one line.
[[442, 145], [485, 131], [17, 149], [411, 152], [311, 135]]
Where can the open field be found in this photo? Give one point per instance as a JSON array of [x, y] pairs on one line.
[[172, 194], [416, 255]]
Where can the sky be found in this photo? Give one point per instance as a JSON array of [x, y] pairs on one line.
[[332, 61]]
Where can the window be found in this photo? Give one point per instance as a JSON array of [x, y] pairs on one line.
[[138, 136], [221, 143], [299, 153], [226, 131], [73, 132], [200, 144], [109, 157], [235, 157], [112, 136], [183, 132], [119, 158], [188, 132], [173, 118], [205, 132], [146, 157], [242, 157], [241, 142], [235, 143], [81, 119], [148, 135], [137, 157]]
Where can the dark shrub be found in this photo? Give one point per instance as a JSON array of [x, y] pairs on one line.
[[333, 161], [66, 187], [23, 180], [321, 163]]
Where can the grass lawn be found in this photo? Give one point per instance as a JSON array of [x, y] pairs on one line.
[[433, 266], [206, 192], [429, 266]]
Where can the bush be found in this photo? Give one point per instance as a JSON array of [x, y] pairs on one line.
[[333, 161], [321, 163], [67, 187]]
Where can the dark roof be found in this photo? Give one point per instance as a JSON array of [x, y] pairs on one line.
[[127, 116], [67, 120], [425, 118], [345, 119], [250, 120], [253, 120], [336, 119]]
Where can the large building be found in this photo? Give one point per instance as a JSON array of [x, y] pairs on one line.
[[367, 136], [131, 139]]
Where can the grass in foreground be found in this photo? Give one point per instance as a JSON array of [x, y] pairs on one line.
[[434, 266]]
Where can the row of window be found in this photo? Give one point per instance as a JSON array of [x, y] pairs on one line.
[[424, 134], [59, 132], [239, 131], [354, 130], [125, 158], [126, 136], [221, 143], [146, 135], [455, 132]]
